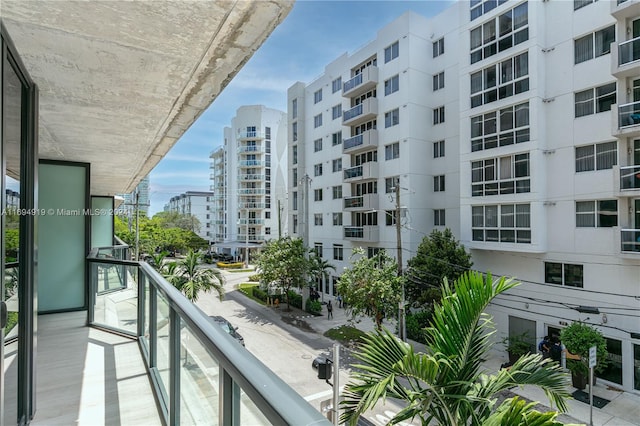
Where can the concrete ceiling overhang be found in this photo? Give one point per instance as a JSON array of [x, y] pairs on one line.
[[121, 81]]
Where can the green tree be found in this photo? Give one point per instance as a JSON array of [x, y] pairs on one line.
[[283, 263], [319, 267], [188, 222], [371, 286], [190, 279], [446, 385], [439, 256]]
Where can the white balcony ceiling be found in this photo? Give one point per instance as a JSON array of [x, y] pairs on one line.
[[121, 81]]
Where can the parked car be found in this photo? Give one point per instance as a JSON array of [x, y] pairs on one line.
[[227, 327]]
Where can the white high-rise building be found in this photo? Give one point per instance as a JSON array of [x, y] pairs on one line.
[[129, 204], [514, 123], [249, 180], [196, 204]]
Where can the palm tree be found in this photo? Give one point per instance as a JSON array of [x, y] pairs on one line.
[[320, 268], [446, 384], [187, 277]]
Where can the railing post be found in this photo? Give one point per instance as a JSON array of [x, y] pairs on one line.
[[174, 368], [229, 402], [141, 280]]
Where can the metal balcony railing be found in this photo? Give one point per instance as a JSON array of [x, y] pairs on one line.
[[629, 114], [630, 240], [629, 178], [629, 51]]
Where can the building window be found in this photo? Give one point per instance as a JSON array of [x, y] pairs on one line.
[[294, 154], [337, 219], [392, 151], [392, 85], [336, 85], [295, 224], [336, 111], [563, 274], [317, 219], [294, 108], [507, 78], [317, 96], [267, 215], [336, 165], [391, 52], [438, 217], [499, 34], [392, 118], [294, 131], [336, 138], [438, 149], [294, 178], [317, 169], [595, 100], [500, 128], [594, 44], [317, 248], [295, 200], [438, 183], [438, 47], [438, 81], [577, 4], [338, 252], [317, 121], [373, 251], [267, 132], [390, 217], [503, 175], [438, 115], [597, 214], [506, 223], [600, 156], [317, 194], [337, 192], [267, 231], [390, 184], [480, 7], [317, 145]]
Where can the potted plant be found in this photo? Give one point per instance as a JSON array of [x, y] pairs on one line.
[[517, 345], [577, 339]]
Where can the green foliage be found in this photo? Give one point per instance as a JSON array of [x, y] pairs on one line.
[[346, 334], [439, 256], [446, 385], [12, 242], [313, 307], [190, 279], [515, 411], [319, 267], [226, 265], [260, 294], [255, 278], [371, 286], [294, 299], [519, 344], [578, 338], [12, 320], [415, 324]]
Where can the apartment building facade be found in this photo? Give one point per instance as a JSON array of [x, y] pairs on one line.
[[249, 180], [539, 178], [196, 204]]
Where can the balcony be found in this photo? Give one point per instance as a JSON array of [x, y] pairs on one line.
[[361, 202], [251, 191], [361, 83], [628, 117], [625, 58], [253, 238], [250, 135], [251, 163], [252, 221], [367, 110], [361, 142], [251, 205], [623, 9], [362, 172], [630, 180], [630, 241], [251, 177], [362, 233], [250, 148]]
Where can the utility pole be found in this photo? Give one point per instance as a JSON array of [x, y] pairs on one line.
[[401, 314], [137, 226], [246, 242]]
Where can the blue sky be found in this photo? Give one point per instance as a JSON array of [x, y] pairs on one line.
[[312, 35]]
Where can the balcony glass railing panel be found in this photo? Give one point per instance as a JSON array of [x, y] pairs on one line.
[[353, 112], [162, 327], [630, 177], [354, 82], [353, 172], [629, 114], [354, 232], [353, 202], [353, 142], [630, 239], [11, 274], [250, 413], [115, 301], [629, 51]]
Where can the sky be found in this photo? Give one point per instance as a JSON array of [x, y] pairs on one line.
[[311, 36]]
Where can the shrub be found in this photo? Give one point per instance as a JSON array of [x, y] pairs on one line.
[[254, 278], [259, 293], [225, 265], [415, 324], [313, 307], [295, 299], [248, 288]]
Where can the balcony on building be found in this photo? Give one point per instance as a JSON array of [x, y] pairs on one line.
[[630, 242], [362, 172], [361, 202], [361, 83], [253, 238], [251, 191], [626, 123], [251, 135], [252, 221], [361, 233], [365, 111], [251, 163], [624, 9], [628, 178], [362, 142], [251, 205], [625, 58], [251, 177], [244, 148]]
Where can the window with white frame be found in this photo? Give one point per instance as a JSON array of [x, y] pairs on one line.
[[294, 131], [337, 192], [567, 274], [336, 85], [499, 81], [594, 45], [438, 47], [500, 128], [317, 219], [317, 145], [336, 111], [317, 248], [438, 183], [438, 149], [294, 108], [391, 52], [480, 7], [391, 85], [317, 120], [294, 154], [336, 138], [505, 223], [294, 178], [336, 165], [438, 81], [317, 96], [390, 184], [438, 115], [370, 187], [317, 194], [601, 156], [317, 169], [337, 219], [597, 214], [390, 217], [295, 200], [499, 34], [595, 100], [392, 118], [338, 252], [578, 4], [392, 151], [503, 175], [438, 217]]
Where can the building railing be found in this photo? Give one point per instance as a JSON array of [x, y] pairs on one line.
[[353, 232], [252, 238], [629, 51], [251, 163], [630, 240], [251, 205], [251, 191], [250, 135], [353, 142], [251, 177], [250, 148], [629, 177], [353, 112], [251, 221], [629, 114], [353, 202], [352, 172], [350, 84], [199, 373]]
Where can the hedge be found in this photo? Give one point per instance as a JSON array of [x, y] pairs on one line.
[[225, 265]]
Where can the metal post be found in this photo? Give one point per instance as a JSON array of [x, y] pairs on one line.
[[246, 242], [336, 383], [137, 228], [591, 396], [401, 318]]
